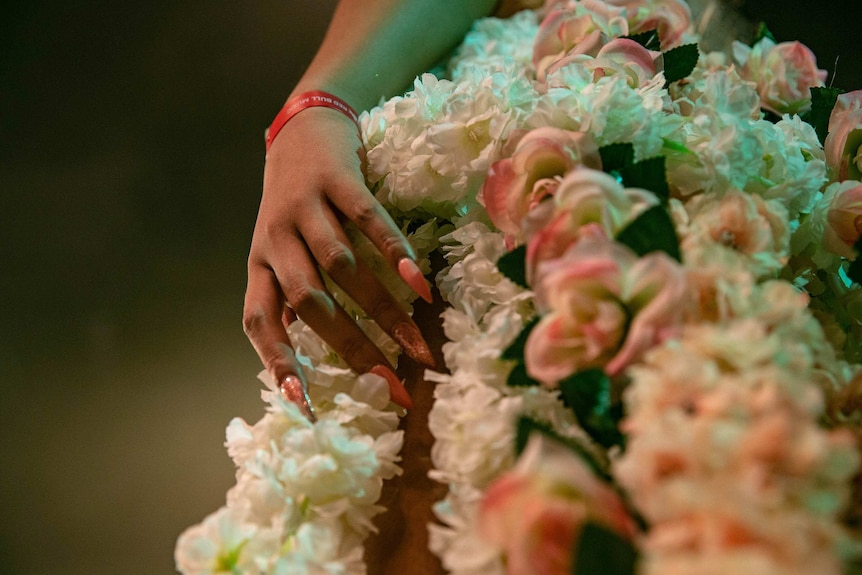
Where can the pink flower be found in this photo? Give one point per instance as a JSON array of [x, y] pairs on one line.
[[843, 145], [580, 28], [844, 219], [752, 227], [516, 185], [585, 202], [672, 19], [602, 307], [783, 73], [620, 56], [535, 513]]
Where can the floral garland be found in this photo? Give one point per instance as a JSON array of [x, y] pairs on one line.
[[654, 315]]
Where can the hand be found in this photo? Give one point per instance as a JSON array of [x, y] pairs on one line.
[[313, 180]]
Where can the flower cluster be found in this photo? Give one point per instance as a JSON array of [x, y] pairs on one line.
[[729, 409], [306, 493], [725, 366], [650, 258]]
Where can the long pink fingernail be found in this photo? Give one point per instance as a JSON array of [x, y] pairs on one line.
[[410, 273], [411, 341], [293, 390], [397, 392]]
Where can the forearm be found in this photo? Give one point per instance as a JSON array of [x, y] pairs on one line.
[[374, 48]]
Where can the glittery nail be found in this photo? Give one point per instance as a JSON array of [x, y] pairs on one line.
[[411, 341], [293, 390]]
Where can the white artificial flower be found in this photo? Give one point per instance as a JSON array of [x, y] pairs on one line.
[[494, 43], [473, 282], [609, 109], [327, 462], [225, 542], [317, 548], [438, 140], [474, 430], [455, 539], [720, 133]]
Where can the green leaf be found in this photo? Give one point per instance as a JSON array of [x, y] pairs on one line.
[[513, 265], [651, 231], [518, 377], [617, 156], [649, 174], [675, 146], [516, 348], [854, 272], [527, 426], [679, 62], [601, 550], [763, 32], [822, 102], [588, 394], [648, 39]]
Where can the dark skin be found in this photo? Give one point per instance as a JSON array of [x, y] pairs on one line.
[[313, 183]]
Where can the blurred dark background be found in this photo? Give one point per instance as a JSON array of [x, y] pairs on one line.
[[131, 152]]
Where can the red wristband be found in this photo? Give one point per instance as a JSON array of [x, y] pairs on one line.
[[305, 100]]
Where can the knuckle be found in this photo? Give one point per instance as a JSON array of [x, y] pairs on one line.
[[392, 245], [337, 260], [382, 307], [364, 212], [253, 322], [351, 349], [274, 229], [303, 299]]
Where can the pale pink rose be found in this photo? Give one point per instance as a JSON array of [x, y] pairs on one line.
[[783, 73], [843, 145], [622, 56], [619, 57], [602, 307], [672, 19], [584, 197], [745, 223], [844, 219], [516, 185], [534, 513], [579, 28]]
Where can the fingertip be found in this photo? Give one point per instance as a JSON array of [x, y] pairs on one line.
[[397, 392], [408, 336], [296, 391], [410, 273]]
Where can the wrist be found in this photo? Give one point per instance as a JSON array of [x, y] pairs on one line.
[[303, 101]]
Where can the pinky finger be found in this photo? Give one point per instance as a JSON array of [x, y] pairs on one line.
[[264, 321]]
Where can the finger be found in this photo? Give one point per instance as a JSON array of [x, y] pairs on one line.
[[359, 206], [262, 323], [288, 316], [303, 288], [331, 248]]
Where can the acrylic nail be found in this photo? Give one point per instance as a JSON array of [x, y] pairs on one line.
[[411, 341], [397, 392], [295, 391], [410, 273]]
